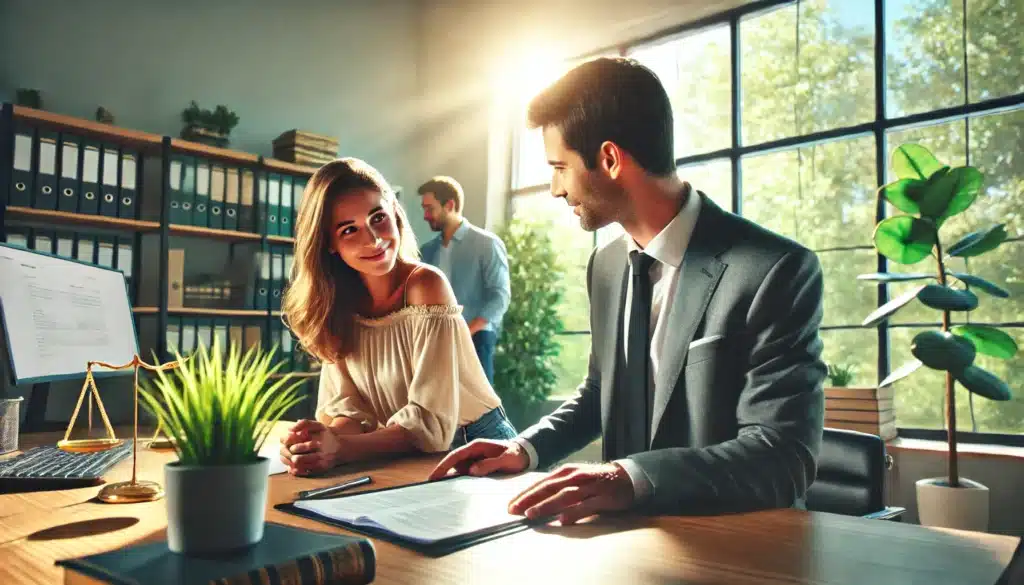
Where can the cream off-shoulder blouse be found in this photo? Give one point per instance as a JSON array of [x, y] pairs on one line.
[[415, 367]]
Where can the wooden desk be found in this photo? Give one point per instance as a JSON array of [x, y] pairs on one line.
[[776, 547]]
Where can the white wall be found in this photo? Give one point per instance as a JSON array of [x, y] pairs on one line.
[[337, 67]]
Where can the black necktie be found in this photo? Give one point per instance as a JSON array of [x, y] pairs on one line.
[[638, 394]]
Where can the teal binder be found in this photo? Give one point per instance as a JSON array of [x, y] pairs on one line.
[[273, 205], [201, 203]]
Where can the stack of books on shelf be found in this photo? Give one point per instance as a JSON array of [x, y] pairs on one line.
[[305, 148], [868, 410]]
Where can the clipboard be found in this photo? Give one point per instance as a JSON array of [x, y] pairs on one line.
[[437, 548]]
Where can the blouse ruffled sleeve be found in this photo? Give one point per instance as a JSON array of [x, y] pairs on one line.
[[431, 414], [338, 396]]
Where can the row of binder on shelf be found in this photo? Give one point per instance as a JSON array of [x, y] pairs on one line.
[[186, 334], [108, 251], [209, 194], [68, 173], [64, 172], [260, 289]]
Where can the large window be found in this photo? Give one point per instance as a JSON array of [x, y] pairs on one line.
[[825, 90]]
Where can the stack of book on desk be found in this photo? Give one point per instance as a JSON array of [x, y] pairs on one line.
[[868, 410], [285, 555], [305, 148]]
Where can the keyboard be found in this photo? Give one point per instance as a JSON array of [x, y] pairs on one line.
[[49, 463]]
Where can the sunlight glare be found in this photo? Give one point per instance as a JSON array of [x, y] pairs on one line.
[[525, 74]]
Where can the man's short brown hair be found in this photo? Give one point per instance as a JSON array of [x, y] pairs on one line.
[[445, 189], [615, 99]]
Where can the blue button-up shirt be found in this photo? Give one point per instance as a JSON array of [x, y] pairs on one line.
[[477, 268]]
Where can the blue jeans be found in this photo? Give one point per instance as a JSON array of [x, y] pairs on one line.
[[492, 425], [484, 342]]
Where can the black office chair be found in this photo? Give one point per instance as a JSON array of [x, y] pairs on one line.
[[851, 477]]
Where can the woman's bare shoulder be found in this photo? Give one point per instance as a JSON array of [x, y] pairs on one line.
[[427, 285]]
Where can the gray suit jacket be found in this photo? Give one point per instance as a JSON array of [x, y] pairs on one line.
[[738, 419]]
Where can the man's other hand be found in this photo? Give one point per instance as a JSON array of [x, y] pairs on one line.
[[483, 457], [575, 492]]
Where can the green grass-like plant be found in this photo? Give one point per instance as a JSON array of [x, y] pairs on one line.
[[839, 375], [219, 409]]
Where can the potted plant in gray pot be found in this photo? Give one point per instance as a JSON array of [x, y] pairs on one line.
[[218, 411], [929, 193]]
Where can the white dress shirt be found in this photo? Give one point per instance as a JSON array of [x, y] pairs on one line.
[[667, 248]]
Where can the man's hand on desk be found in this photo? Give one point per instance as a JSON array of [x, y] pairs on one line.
[[310, 447], [575, 492], [483, 457]]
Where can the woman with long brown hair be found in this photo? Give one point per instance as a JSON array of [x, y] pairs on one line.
[[399, 369]]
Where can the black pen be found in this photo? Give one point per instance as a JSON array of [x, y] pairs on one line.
[[330, 491]]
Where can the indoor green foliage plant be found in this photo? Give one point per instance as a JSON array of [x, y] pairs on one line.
[[206, 126], [929, 193], [218, 410], [840, 375], [524, 359]]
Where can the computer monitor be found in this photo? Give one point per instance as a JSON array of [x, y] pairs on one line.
[[60, 314]]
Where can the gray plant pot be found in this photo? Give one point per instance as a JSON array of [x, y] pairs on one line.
[[216, 508]]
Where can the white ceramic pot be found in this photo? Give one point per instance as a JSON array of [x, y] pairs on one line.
[[964, 508]]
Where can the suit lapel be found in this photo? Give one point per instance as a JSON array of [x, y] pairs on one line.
[[699, 274], [615, 297]]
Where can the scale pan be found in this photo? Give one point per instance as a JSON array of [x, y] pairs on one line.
[[88, 445]]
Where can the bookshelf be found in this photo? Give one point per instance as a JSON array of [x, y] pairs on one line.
[[130, 200]]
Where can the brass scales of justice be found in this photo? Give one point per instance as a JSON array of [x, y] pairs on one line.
[[124, 492]]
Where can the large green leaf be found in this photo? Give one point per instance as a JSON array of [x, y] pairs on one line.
[[951, 193], [983, 383], [979, 242], [978, 282], [904, 194], [913, 161], [894, 276], [882, 313], [988, 340], [905, 239], [943, 351], [944, 298], [901, 372]]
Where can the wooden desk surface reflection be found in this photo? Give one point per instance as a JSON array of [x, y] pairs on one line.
[[776, 547]]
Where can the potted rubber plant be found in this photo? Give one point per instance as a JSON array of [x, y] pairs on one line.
[[929, 193], [218, 410]]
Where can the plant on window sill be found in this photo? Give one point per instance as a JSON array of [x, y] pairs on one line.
[[930, 193], [840, 375]]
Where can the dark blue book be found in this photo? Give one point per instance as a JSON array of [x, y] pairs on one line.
[[285, 555]]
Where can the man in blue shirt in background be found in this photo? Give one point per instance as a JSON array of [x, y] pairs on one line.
[[473, 259]]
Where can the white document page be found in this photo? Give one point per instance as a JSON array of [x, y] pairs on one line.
[[432, 511], [59, 315]]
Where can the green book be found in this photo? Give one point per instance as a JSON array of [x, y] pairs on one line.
[[285, 555]]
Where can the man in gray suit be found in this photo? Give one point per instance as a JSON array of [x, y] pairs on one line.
[[705, 378]]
